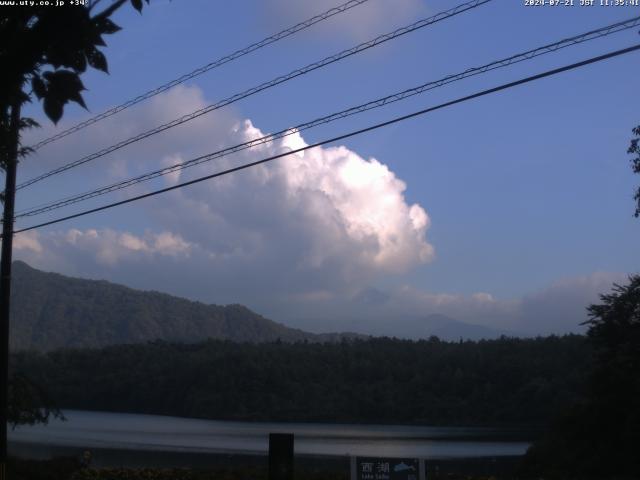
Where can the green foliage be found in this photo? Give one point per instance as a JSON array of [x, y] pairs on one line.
[[614, 330], [599, 437], [169, 474], [220, 473], [56, 469], [634, 149], [304, 469], [28, 404], [65, 39], [144, 474], [506, 381]]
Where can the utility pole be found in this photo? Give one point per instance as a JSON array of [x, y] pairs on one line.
[[11, 167]]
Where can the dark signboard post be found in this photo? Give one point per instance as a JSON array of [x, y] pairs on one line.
[[280, 456], [371, 468]]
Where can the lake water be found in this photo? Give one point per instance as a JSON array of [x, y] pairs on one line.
[[172, 434]]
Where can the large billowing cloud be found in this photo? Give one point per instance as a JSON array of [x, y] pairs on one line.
[[197, 136], [325, 219], [303, 237], [321, 210]]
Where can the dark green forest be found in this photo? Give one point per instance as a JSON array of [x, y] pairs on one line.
[[495, 382]]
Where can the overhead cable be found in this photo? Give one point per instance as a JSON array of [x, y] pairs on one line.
[[199, 71], [505, 86], [263, 86], [520, 57]]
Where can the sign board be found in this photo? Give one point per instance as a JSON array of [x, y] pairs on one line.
[[373, 468]]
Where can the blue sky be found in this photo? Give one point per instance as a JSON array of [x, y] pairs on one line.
[[528, 191]]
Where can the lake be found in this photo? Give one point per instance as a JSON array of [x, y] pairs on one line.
[[172, 434]]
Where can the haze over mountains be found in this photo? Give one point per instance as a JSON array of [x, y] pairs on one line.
[[51, 311], [405, 326]]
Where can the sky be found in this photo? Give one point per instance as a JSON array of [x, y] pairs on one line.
[[512, 211]]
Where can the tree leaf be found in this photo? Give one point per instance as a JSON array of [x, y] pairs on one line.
[[64, 86], [28, 122], [64, 81], [97, 60], [53, 107], [77, 97], [137, 4], [38, 86], [97, 40], [79, 62], [106, 26]]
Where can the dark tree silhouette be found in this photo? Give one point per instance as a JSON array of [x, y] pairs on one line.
[[614, 331], [634, 149], [43, 52], [29, 403], [599, 437]]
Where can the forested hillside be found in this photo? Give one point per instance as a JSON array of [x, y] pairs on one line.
[[505, 381], [51, 311]]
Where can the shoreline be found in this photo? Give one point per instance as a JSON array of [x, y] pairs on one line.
[[158, 459]]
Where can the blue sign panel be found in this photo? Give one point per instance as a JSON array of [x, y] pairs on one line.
[[364, 468]]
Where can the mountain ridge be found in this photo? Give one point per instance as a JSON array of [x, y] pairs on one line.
[[51, 311]]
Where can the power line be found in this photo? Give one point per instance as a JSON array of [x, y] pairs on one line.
[[272, 83], [505, 86], [577, 39], [199, 71]]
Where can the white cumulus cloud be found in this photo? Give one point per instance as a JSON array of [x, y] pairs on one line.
[[28, 242], [323, 220], [108, 247]]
